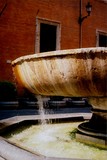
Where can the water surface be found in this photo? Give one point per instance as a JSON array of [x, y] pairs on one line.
[[56, 140]]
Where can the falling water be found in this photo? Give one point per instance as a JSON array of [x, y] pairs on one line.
[[42, 111]]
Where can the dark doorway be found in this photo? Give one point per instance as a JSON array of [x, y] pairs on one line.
[[47, 37]]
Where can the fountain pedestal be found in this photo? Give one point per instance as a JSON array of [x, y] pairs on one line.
[[95, 130], [71, 73]]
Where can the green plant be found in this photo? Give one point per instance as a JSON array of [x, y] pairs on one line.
[[72, 134], [8, 91]]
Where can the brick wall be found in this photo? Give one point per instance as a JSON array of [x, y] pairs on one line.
[[18, 26]]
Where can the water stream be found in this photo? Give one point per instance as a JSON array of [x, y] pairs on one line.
[[43, 120], [43, 111]]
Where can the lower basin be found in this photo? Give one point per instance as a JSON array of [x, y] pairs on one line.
[[56, 139]]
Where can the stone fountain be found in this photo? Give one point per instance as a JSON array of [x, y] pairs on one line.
[[74, 73]]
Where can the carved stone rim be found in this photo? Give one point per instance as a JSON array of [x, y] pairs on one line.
[[60, 53]]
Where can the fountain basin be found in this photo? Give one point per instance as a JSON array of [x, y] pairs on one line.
[[75, 73], [16, 123]]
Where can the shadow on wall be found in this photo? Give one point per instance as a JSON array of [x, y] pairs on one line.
[[8, 91], [9, 98]]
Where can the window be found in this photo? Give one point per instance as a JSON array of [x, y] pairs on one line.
[[101, 39], [47, 35]]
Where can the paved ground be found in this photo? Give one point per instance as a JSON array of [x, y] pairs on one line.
[[19, 112]]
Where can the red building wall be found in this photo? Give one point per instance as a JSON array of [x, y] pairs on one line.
[[18, 26]]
